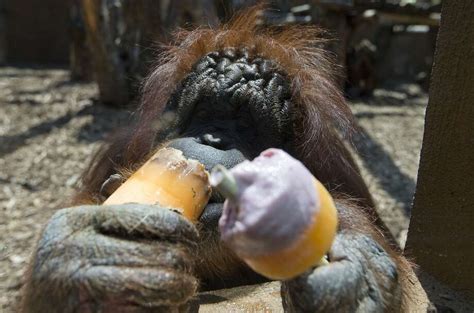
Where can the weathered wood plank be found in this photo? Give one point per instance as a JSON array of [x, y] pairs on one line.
[[441, 236]]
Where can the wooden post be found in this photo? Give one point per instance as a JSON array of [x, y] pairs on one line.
[[123, 36], [441, 233], [3, 31], [80, 55]]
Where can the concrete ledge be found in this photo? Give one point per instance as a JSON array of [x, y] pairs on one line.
[[266, 298], [255, 298]]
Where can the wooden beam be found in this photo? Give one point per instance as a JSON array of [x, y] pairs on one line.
[[408, 19], [441, 233]]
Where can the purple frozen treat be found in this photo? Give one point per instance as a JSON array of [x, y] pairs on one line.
[[272, 188]]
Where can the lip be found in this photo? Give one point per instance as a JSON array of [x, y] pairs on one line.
[[211, 215], [213, 210], [216, 197]]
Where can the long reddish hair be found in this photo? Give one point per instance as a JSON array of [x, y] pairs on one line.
[[318, 103]]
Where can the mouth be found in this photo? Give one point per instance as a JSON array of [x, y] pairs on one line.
[[211, 215], [216, 197], [213, 210]]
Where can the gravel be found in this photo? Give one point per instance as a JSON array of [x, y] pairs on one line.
[[50, 128], [388, 151]]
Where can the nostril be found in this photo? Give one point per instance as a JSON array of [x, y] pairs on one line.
[[210, 140]]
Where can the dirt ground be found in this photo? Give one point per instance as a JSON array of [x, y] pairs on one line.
[[49, 129]]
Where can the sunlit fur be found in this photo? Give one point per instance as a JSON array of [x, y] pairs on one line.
[[318, 103]]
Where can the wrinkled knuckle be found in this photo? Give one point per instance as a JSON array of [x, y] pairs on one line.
[[54, 274], [166, 255], [59, 234], [380, 260], [142, 286], [68, 220], [381, 275], [58, 220], [184, 256], [59, 214], [138, 221], [178, 229], [183, 287]]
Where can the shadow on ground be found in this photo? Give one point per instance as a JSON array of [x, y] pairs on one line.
[[94, 131], [398, 185]]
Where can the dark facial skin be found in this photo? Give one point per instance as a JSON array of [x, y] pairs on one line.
[[234, 102], [143, 258]]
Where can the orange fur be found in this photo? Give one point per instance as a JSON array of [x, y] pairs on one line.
[[298, 51]]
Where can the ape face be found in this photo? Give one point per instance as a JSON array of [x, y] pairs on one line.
[[232, 106]]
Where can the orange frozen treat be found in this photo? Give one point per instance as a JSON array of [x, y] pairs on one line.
[[170, 180], [277, 217]]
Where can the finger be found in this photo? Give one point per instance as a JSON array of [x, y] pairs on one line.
[[349, 283], [139, 221], [101, 250], [113, 287], [380, 267], [62, 224], [331, 288]]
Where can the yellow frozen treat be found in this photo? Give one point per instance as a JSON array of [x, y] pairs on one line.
[[170, 180]]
